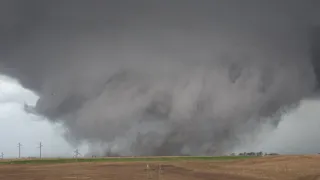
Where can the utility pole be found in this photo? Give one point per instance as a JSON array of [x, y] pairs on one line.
[[40, 148], [19, 146]]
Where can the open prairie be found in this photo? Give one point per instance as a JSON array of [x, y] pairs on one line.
[[165, 168]]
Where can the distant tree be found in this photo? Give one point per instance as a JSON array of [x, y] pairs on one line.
[[251, 154]]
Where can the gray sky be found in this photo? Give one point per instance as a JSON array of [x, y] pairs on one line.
[[19, 126], [161, 77], [297, 133], [300, 131]]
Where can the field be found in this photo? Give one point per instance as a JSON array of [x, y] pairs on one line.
[[165, 168]]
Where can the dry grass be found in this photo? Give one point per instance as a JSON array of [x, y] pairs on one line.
[[269, 168]]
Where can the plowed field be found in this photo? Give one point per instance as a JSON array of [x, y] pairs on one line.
[[268, 168]]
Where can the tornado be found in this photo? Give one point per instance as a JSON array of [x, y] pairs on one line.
[[162, 77]]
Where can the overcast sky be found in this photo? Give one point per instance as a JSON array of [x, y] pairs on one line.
[[18, 126], [297, 133]]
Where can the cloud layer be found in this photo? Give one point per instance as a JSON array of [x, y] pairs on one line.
[[161, 77]]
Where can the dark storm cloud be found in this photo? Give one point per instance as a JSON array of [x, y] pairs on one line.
[[161, 77]]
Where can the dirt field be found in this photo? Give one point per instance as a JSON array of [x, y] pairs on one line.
[[272, 168]]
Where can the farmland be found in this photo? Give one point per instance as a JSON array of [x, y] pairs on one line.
[[301, 167]]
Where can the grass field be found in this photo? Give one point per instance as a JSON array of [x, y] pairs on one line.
[[165, 168], [119, 159]]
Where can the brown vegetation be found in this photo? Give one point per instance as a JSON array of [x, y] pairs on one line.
[[268, 168]]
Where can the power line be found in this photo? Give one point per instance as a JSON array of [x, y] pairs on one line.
[[19, 146], [40, 148]]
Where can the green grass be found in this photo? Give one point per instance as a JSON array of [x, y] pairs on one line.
[[124, 159]]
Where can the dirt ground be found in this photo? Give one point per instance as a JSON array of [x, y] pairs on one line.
[[268, 168]]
